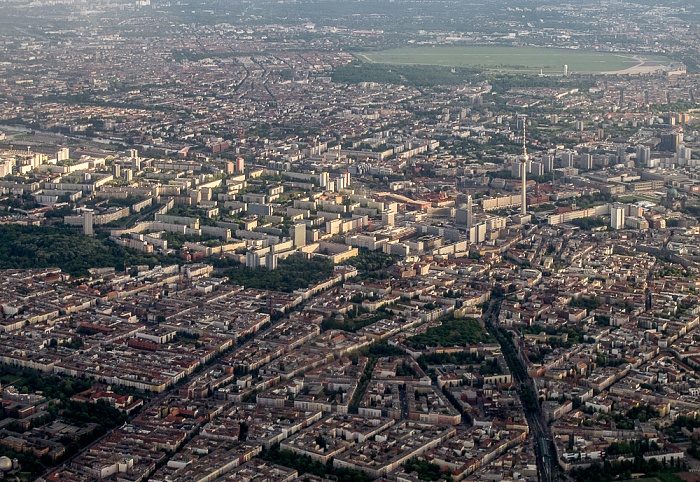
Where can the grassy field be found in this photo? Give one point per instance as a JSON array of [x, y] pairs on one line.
[[638, 197], [661, 477], [645, 479], [508, 59], [10, 379]]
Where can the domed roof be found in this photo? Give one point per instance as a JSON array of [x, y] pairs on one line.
[[673, 192], [5, 463]]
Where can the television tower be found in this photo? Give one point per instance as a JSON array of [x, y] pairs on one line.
[[523, 195]]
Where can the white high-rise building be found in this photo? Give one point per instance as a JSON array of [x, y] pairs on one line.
[[388, 218], [63, 154], [536, 168], [298, 234], [585, 161], [617, 217], [684, 153], [271, 261], [548, 162], [567, 159], [88, 222], [470, 212], [621, 153], [477, 233], [252, 260], [6, 166], [323, 179], [644, 156]]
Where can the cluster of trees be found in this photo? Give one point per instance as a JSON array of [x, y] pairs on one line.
[[452, 332], [624, 470], [608, 471], [537, 354], [62, 389], [28, 462], [490, 367], [291, 274], [690, 423], [373, 352], [603, 361], [575, 334], [177, 240], [372, 264], [432, 75], [413, 75], [674, 272], [381, 349], [194, 212], [692, 209], [126, 202], [460, 358], [588, 303], [505, 82], [487, 151], [27, 247], [403, 369], [426, 470], [101, 414], [505, 339], [59, 212], [261, 130], [588, 224], [305, 465], [25, 202], [587, 200], [643, 413], [529, 398], [362, 385], [89, 98], [32, 381], [352, 322], [633, 447]]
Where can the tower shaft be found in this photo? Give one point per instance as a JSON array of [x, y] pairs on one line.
[[523, 195]]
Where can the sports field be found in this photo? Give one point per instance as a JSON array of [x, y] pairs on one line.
[[515, 59]]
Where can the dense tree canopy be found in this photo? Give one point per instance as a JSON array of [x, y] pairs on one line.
[[304, 465], [414, 75], [451, 333], [291, 274], [26, 247]]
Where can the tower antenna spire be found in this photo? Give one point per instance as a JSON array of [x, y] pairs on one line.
[[523, 194]]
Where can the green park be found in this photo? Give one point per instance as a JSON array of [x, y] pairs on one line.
[[550, 61]]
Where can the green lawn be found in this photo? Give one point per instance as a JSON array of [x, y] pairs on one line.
[[638, 197], [660, 477], [11, 380], [508, 59], [668, 477]]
